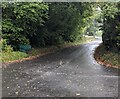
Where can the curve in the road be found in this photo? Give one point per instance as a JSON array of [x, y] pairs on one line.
[[69, 72]]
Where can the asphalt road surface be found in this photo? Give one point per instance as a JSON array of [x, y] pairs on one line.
[[70, 72]]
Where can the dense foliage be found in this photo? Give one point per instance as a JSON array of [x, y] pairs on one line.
[[111, 26], [22, 20], [41, 24]]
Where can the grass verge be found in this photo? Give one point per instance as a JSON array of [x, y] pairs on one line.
[[6, 57], [48, 49], [106, 58], [36, 52]]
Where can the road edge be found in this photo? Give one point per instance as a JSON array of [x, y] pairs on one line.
[[101, 61]]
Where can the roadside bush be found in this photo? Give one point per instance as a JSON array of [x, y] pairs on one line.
[[22, 20], [15, 40], [4, 47], [111, 26], [64, 18], [44, 24]]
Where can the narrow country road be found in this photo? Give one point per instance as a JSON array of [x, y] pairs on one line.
[[70, 72]]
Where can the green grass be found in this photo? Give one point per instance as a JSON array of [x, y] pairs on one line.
[[7, 57], [108, 57]]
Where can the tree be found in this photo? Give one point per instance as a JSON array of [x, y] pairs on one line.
[[42, 24], [67, 21], [111, 26], [20, 21]]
